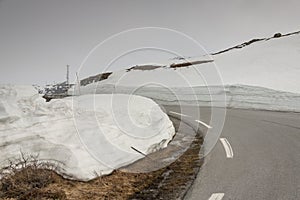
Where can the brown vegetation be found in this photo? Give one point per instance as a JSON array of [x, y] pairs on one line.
[[29, 179]]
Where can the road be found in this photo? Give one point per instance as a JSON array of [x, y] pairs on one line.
[[256, 157]]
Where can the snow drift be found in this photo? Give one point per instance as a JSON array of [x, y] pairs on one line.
[[84, 134]]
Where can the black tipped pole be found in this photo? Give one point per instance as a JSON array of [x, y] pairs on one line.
[[141, 153]]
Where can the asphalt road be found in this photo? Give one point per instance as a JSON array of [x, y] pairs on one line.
[[258, 157]]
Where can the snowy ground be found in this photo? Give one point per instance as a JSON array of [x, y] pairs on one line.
[[263, 75], [85, 134]]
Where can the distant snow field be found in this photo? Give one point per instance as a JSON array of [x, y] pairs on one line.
[[84, 134], [263, 75]]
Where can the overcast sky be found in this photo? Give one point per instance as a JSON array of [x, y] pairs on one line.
[[39, 37]]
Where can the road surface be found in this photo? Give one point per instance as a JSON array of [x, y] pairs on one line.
[[256, 157]]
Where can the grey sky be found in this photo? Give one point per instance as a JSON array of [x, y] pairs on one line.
[[39, 37]]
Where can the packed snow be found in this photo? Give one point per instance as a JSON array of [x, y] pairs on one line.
[[84, 134], [263, 75]]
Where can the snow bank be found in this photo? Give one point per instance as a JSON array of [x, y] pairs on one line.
[[85, 134], [236, 96]]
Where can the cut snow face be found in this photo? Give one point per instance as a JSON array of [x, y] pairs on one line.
[[84, 134]]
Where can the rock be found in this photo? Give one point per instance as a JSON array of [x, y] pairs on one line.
[[277, 35]]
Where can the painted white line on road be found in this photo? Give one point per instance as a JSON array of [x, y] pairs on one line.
[[204, 124], [227, 147], [216, 196], [200, 122], [179, 114]]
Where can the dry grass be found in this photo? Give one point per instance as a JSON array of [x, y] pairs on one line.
[[27, 178], [38, 181]]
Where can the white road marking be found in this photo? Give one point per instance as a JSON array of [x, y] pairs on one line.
[[179, 114], [216, 196], [227, 147], [204, 124]]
